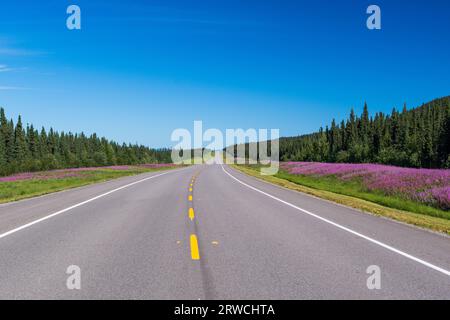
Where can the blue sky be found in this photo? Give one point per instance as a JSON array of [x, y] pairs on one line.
[[139, 69]]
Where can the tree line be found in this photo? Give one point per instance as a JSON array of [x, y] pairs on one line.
[[27, 149], [418, 137]]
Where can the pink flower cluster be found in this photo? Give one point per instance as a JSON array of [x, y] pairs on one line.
[[429, 186], [157, 165], [43, 175], [75, 172]]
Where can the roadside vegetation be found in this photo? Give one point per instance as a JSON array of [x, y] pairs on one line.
[[415, 138], [416, 196], [32, 184], [25, 149]]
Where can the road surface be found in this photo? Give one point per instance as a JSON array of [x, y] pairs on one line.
[[136, 238]]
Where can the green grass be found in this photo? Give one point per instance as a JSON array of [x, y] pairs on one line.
[[352, 194], [17, 190]]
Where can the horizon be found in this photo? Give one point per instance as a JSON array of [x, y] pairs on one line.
[[27, 123]]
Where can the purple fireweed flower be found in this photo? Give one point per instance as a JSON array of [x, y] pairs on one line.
[[429, 186], [74, 172]]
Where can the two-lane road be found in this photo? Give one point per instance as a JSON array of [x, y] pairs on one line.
[[209, 232]]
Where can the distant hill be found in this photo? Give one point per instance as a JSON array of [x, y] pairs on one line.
[[418, 137]]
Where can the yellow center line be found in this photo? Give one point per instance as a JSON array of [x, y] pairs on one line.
[[195, 254]]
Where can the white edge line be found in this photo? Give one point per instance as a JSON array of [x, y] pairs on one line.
[[381, 244], [3, 235]]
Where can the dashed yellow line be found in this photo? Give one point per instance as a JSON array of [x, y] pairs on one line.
[[195, 254]]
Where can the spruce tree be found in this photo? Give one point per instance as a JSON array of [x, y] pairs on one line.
[[6, 137], [20, 145], [2, 153]]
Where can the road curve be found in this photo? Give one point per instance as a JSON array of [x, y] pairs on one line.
[[210, 232]]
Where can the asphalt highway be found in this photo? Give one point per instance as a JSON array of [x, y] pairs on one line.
[[210, 232]]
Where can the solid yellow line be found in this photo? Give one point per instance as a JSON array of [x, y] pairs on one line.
[[195, 254], [190, 197], [191, 214]]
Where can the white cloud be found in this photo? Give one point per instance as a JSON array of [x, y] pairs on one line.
[[5, 68], [19, 52], [12, 88]]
